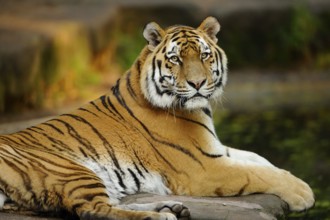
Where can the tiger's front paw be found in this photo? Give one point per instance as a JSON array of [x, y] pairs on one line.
[[296, 193], [176, 208]]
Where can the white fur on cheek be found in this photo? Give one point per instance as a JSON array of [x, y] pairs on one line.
[[153, 91]]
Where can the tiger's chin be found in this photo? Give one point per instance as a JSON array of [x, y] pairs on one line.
[[178, 103], [195, 103]]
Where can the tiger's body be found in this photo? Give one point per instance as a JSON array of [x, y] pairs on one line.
[[153, 132]]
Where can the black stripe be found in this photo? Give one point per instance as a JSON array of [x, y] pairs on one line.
[[83, 152], [112, 106], [208, 154], [219, 83], [164, 49], [159, 92], [28, 134], [195, 122], [175, 34], [138, 66], [153, 67], [207, 111], [175, 38], [129, 85], [97, 108], [219, 61], [36, 127], [86, 110], [159, 65], [242, 189], [120, 180], [90, 197], [138, 170], [96, 204], [83, 177], [136, 180], [140, 162], [104, 103], [87, 186], [54, 127], [204, 152]]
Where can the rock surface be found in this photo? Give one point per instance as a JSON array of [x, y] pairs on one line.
[[256, 207]]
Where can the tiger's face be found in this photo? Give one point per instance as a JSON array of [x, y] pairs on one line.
[[185, 68]]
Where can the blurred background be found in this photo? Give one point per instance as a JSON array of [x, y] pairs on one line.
[[57, 54]]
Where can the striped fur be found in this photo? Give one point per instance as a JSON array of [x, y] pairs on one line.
[[152, 132]]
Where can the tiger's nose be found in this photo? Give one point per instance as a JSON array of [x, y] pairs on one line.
[[196, 84]]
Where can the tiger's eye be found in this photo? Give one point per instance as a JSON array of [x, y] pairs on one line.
[[174, 59], [204, 55]]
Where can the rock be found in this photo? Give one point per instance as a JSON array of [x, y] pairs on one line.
[[256, 207]]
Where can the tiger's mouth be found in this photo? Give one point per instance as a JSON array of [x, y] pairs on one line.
[[198, 94]]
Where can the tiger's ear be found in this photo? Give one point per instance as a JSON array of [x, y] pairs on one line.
[[211, 27], [153, 33]]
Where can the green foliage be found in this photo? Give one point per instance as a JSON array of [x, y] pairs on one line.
[[293, 139], [284, 39], [128, 47], [297, 35]]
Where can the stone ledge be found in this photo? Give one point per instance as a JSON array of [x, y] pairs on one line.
[[256, 207]]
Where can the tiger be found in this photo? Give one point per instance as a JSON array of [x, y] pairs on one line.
[[152, 132]]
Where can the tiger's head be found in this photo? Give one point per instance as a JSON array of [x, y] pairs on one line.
[[184, 67]]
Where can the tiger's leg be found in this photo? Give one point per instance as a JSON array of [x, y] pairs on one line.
[[174, 207], [236, 177], [44, 181]]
